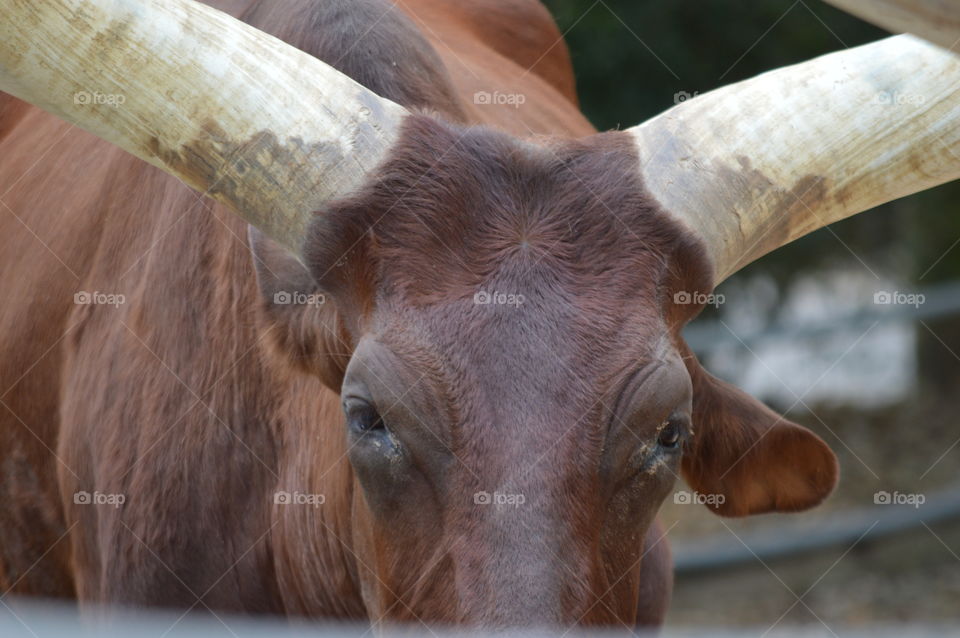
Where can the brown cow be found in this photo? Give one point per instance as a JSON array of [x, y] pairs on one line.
[[457, 393]]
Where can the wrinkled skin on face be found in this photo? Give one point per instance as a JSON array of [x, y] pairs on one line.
[[528, 485], [518, 399]]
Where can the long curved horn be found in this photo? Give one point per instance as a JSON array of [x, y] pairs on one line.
[[754, 165], [935, 20], [233, 112]]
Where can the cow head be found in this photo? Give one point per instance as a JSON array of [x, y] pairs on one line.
[[517, 397]]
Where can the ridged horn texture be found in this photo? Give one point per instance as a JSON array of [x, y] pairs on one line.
[[935, 20], [233, 112], [755, 165]]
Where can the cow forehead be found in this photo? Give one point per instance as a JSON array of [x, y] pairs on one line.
[[515, 218], [474, 211], [528, 358]]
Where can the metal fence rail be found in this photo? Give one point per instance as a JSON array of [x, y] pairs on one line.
[[785, 541], [19, 619]]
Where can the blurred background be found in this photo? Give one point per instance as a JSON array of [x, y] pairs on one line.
[[853, 331]]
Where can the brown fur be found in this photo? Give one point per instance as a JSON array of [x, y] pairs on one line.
[[200, 396]]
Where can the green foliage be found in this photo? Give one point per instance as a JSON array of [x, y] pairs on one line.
[[632, 56]]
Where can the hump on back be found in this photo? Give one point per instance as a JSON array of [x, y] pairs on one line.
[[371, 41]]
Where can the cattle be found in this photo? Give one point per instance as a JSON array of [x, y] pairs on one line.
[[414, 351]]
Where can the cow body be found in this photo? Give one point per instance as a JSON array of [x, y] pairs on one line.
[[191, 391]]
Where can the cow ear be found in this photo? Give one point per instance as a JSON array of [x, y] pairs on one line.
[[303, 323], [756, 459], [280, 276]]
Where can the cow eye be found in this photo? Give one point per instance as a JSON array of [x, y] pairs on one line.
[[362, 417], [669, 436]]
